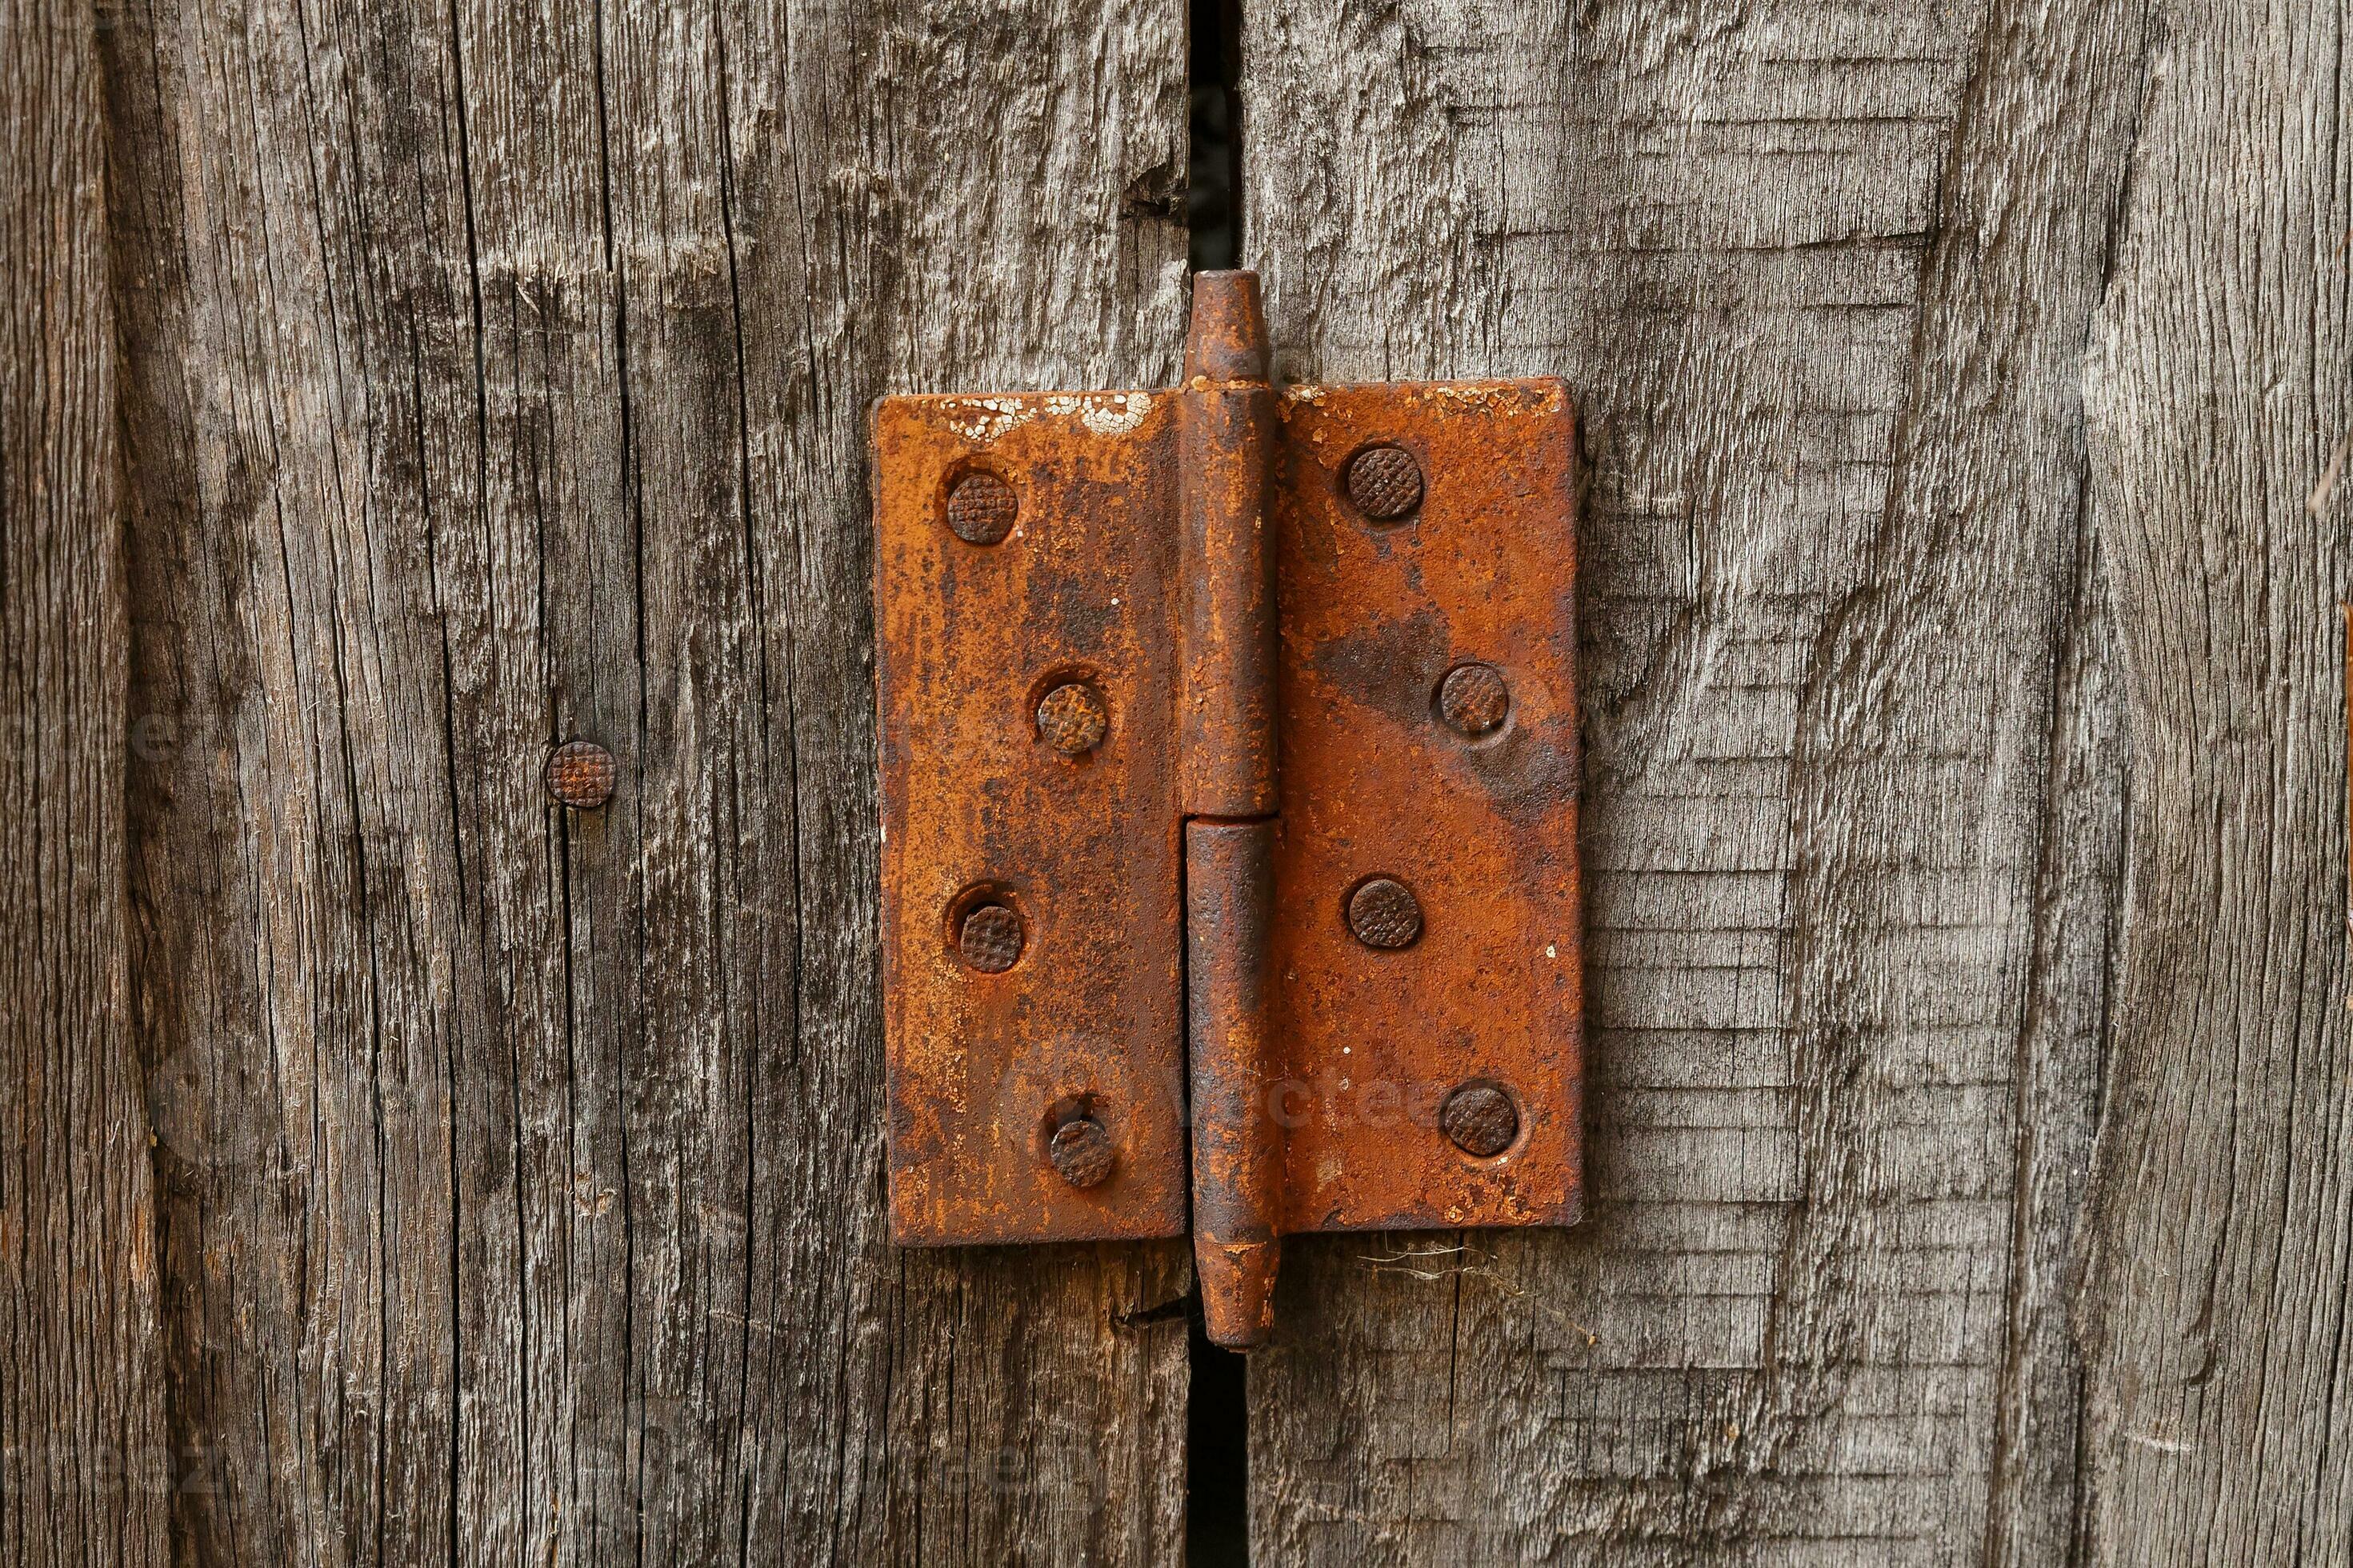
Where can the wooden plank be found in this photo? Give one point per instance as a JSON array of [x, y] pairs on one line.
[[84, 1475], [1820, 280], [495, 375], [2215, 1313]]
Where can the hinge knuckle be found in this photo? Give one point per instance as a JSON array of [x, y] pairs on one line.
[[1237, 1144], [1226, 448]]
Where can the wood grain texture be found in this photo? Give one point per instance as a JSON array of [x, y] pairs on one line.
[[2219, 1387], [495, 375], [1874, 937], [83, 1476]]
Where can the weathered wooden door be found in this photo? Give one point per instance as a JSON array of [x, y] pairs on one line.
[[395, 1168]]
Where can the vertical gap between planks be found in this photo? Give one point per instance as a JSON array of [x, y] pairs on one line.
[[1213, 171], [1217, 1475], [1217, 1472]]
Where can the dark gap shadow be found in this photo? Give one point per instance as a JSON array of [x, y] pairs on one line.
[[1216, 1446], [1214, 166]]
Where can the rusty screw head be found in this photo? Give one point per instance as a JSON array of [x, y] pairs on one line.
[[580, 774], [1081, 1150], [990, 939], [1382, 912], [1385, 482], [1072, 720], [1473, 699], [981, 508], [1480, 1119]]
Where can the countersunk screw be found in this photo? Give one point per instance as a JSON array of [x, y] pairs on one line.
[[1473, 699], [1073, 719], [1082, 1152], [981, 508], [991, 939], [1481, 1119], [580, 774], [1382, 912], [1385, 482]]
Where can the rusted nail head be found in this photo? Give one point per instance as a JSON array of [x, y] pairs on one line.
[[991, 939], [981, 508], [1385, 482], [580, 774], [1473, 699], [1382, 912], [1072, 720], [1481, 1119], [1081, 1150]]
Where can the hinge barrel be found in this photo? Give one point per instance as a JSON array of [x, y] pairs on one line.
[[1237, 1144], [1226, 430], [1227, 422]]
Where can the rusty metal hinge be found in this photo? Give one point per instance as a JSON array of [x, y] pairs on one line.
[[1229, 780]]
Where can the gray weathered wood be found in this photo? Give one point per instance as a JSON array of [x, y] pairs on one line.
[[2216, 1314], [497, 375], [1949, 780], [82, 1470], [1964, 815]]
